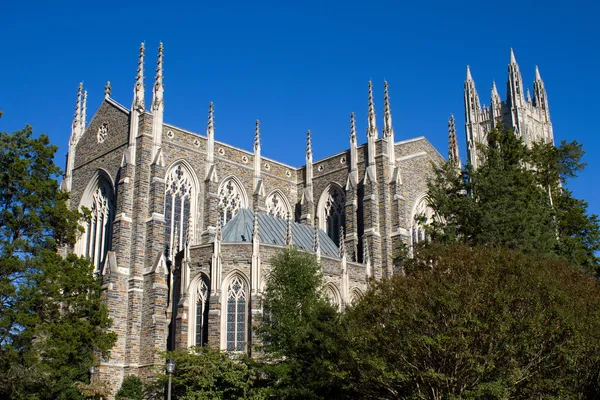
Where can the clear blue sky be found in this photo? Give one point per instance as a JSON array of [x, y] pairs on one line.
[[301, 65]]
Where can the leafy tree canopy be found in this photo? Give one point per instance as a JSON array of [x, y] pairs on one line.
[[51, 318], [477, 322], [517, 199]]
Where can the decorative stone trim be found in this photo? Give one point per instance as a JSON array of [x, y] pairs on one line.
[[170, 134], [102, 132]]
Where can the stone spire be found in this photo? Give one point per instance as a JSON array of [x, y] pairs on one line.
[[107, 90], [388, 130], [158, 106], [83, 113], [139, 89], [255, 228], [210, 135], [309, 166], [515, 97], [137, 107], [257, 156], [453, 155], [353, 145], [367, 258], [371, 136], [388, 133], [288, 232], [342, 246], [372, 126], [473, 117], [76, 133], [316, 242], [76, 127]]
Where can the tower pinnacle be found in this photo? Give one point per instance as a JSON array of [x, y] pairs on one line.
[[107, 90], [513, 59], [138, 90], [388, 130], [372, 128], [158, 107], [257, 135], [469, 77], [453, 154]]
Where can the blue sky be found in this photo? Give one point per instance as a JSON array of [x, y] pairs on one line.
[[302, 65]]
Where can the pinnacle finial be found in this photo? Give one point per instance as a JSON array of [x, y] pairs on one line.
[[84, 111], [316, 242], [469, 77], [453, 154], [211, 119], [494, 89], [372, 128], [308, 144], [387, 112], [218, 231], [77, 115], [342, 242], [257, 135], [538, 77], [138, 90], [255, 227], [107, 90], [288, 235], [366, 257], [513, 60], [352, 128], [157, 101], [528, 96]]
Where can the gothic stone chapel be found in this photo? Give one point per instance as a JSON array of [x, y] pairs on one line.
[[183, 227]]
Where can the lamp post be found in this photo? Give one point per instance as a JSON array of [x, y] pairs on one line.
[[170, 369]]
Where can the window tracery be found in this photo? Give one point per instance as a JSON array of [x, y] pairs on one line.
[[201, 328], [334, 212], [95, 242], [179, 192], [277, 205], [236, 315], [423, 215], [231, 199]]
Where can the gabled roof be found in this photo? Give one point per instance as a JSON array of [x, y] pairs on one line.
[[272, 230]]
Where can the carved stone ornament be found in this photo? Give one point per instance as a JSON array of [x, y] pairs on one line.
[[102, 132]]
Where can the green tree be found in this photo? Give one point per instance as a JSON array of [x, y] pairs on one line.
[[131, 389], [52, 321], [516, 199], [476, 322], [207, 373], [301, 330]]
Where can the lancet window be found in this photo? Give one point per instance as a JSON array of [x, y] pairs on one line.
[[231, 199], [334, 212], [422, 216], [201, 326], [277, 205], [96, 241], [179, 193], [332, 296], [236, 315]]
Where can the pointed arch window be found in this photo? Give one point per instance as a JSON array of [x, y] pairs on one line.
[[231, 199], [179, 195], [277, 205], [96, 241], [332, 296], [201, 326], [236, 315], [334, 212], [423, 215]]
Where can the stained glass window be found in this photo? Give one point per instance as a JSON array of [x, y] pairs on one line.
[[236, 315], [335, 212], [179, 192], [231, 199], [277, 206], [96, 241], [201, 314]]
